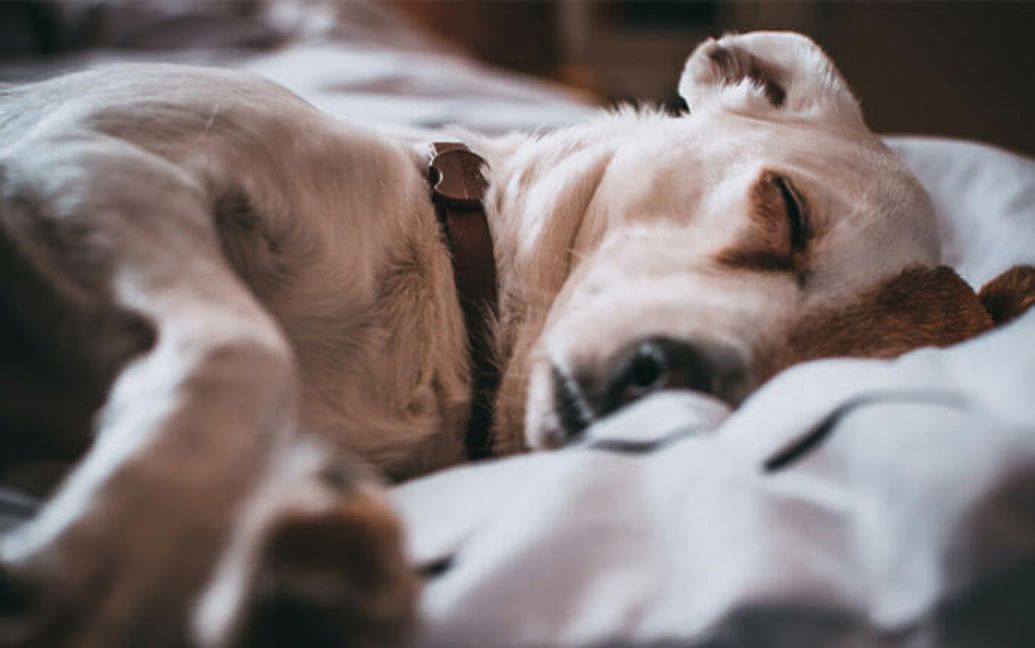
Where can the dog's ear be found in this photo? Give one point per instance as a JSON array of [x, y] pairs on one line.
[[1010, 294], [919, 307], [767, 72]]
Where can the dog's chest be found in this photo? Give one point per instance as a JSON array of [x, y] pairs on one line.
[[359, 280]]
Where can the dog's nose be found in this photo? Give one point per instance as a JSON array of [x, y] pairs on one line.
[[663, 363], [642, 368]]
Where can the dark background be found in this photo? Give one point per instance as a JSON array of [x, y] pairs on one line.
[[965, 69]]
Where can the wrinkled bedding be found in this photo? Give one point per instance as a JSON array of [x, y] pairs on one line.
[[849, 502]]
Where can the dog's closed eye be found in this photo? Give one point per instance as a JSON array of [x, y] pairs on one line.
[[778, 229], [794, 208]]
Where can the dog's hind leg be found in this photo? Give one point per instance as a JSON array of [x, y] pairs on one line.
[[189, 433]]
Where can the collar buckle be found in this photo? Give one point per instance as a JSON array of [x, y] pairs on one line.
[[456, 177]]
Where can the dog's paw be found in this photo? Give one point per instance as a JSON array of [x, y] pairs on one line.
[[320, 563], [763, 72], [331, 578]]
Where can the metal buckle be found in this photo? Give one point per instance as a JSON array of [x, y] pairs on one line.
[[457, 179]]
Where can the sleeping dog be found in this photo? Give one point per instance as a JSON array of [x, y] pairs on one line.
[[227, 306]]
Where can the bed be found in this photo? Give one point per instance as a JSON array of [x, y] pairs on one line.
[[848, 502]]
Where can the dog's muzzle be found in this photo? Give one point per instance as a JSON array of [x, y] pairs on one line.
[[642, 368]]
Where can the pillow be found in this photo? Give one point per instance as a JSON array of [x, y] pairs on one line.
[[985, 201]]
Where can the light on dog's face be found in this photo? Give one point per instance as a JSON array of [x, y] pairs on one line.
[[709, 241], [768, 227]]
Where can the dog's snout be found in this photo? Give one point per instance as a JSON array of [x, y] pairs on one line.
[[642, 368], [646, 367], [664, 363]]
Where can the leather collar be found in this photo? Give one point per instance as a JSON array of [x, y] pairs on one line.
[[457, 190]]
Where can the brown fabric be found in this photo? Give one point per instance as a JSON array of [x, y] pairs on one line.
[[1010, 294], [457, 191]]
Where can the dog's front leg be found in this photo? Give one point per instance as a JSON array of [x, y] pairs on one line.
[[186, 451], [118, 553]]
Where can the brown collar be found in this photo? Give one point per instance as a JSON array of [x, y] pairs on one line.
[[457, 189]]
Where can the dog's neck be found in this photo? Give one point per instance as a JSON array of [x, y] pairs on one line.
[[458, 191], [531, 181]]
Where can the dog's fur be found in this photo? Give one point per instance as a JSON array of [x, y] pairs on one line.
[[222, 274]]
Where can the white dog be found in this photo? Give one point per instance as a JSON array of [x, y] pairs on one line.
[[221, 289]]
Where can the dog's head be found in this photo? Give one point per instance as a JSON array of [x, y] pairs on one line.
[[709, 251]]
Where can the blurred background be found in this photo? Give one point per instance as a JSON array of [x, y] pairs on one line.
[[965, 69]]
